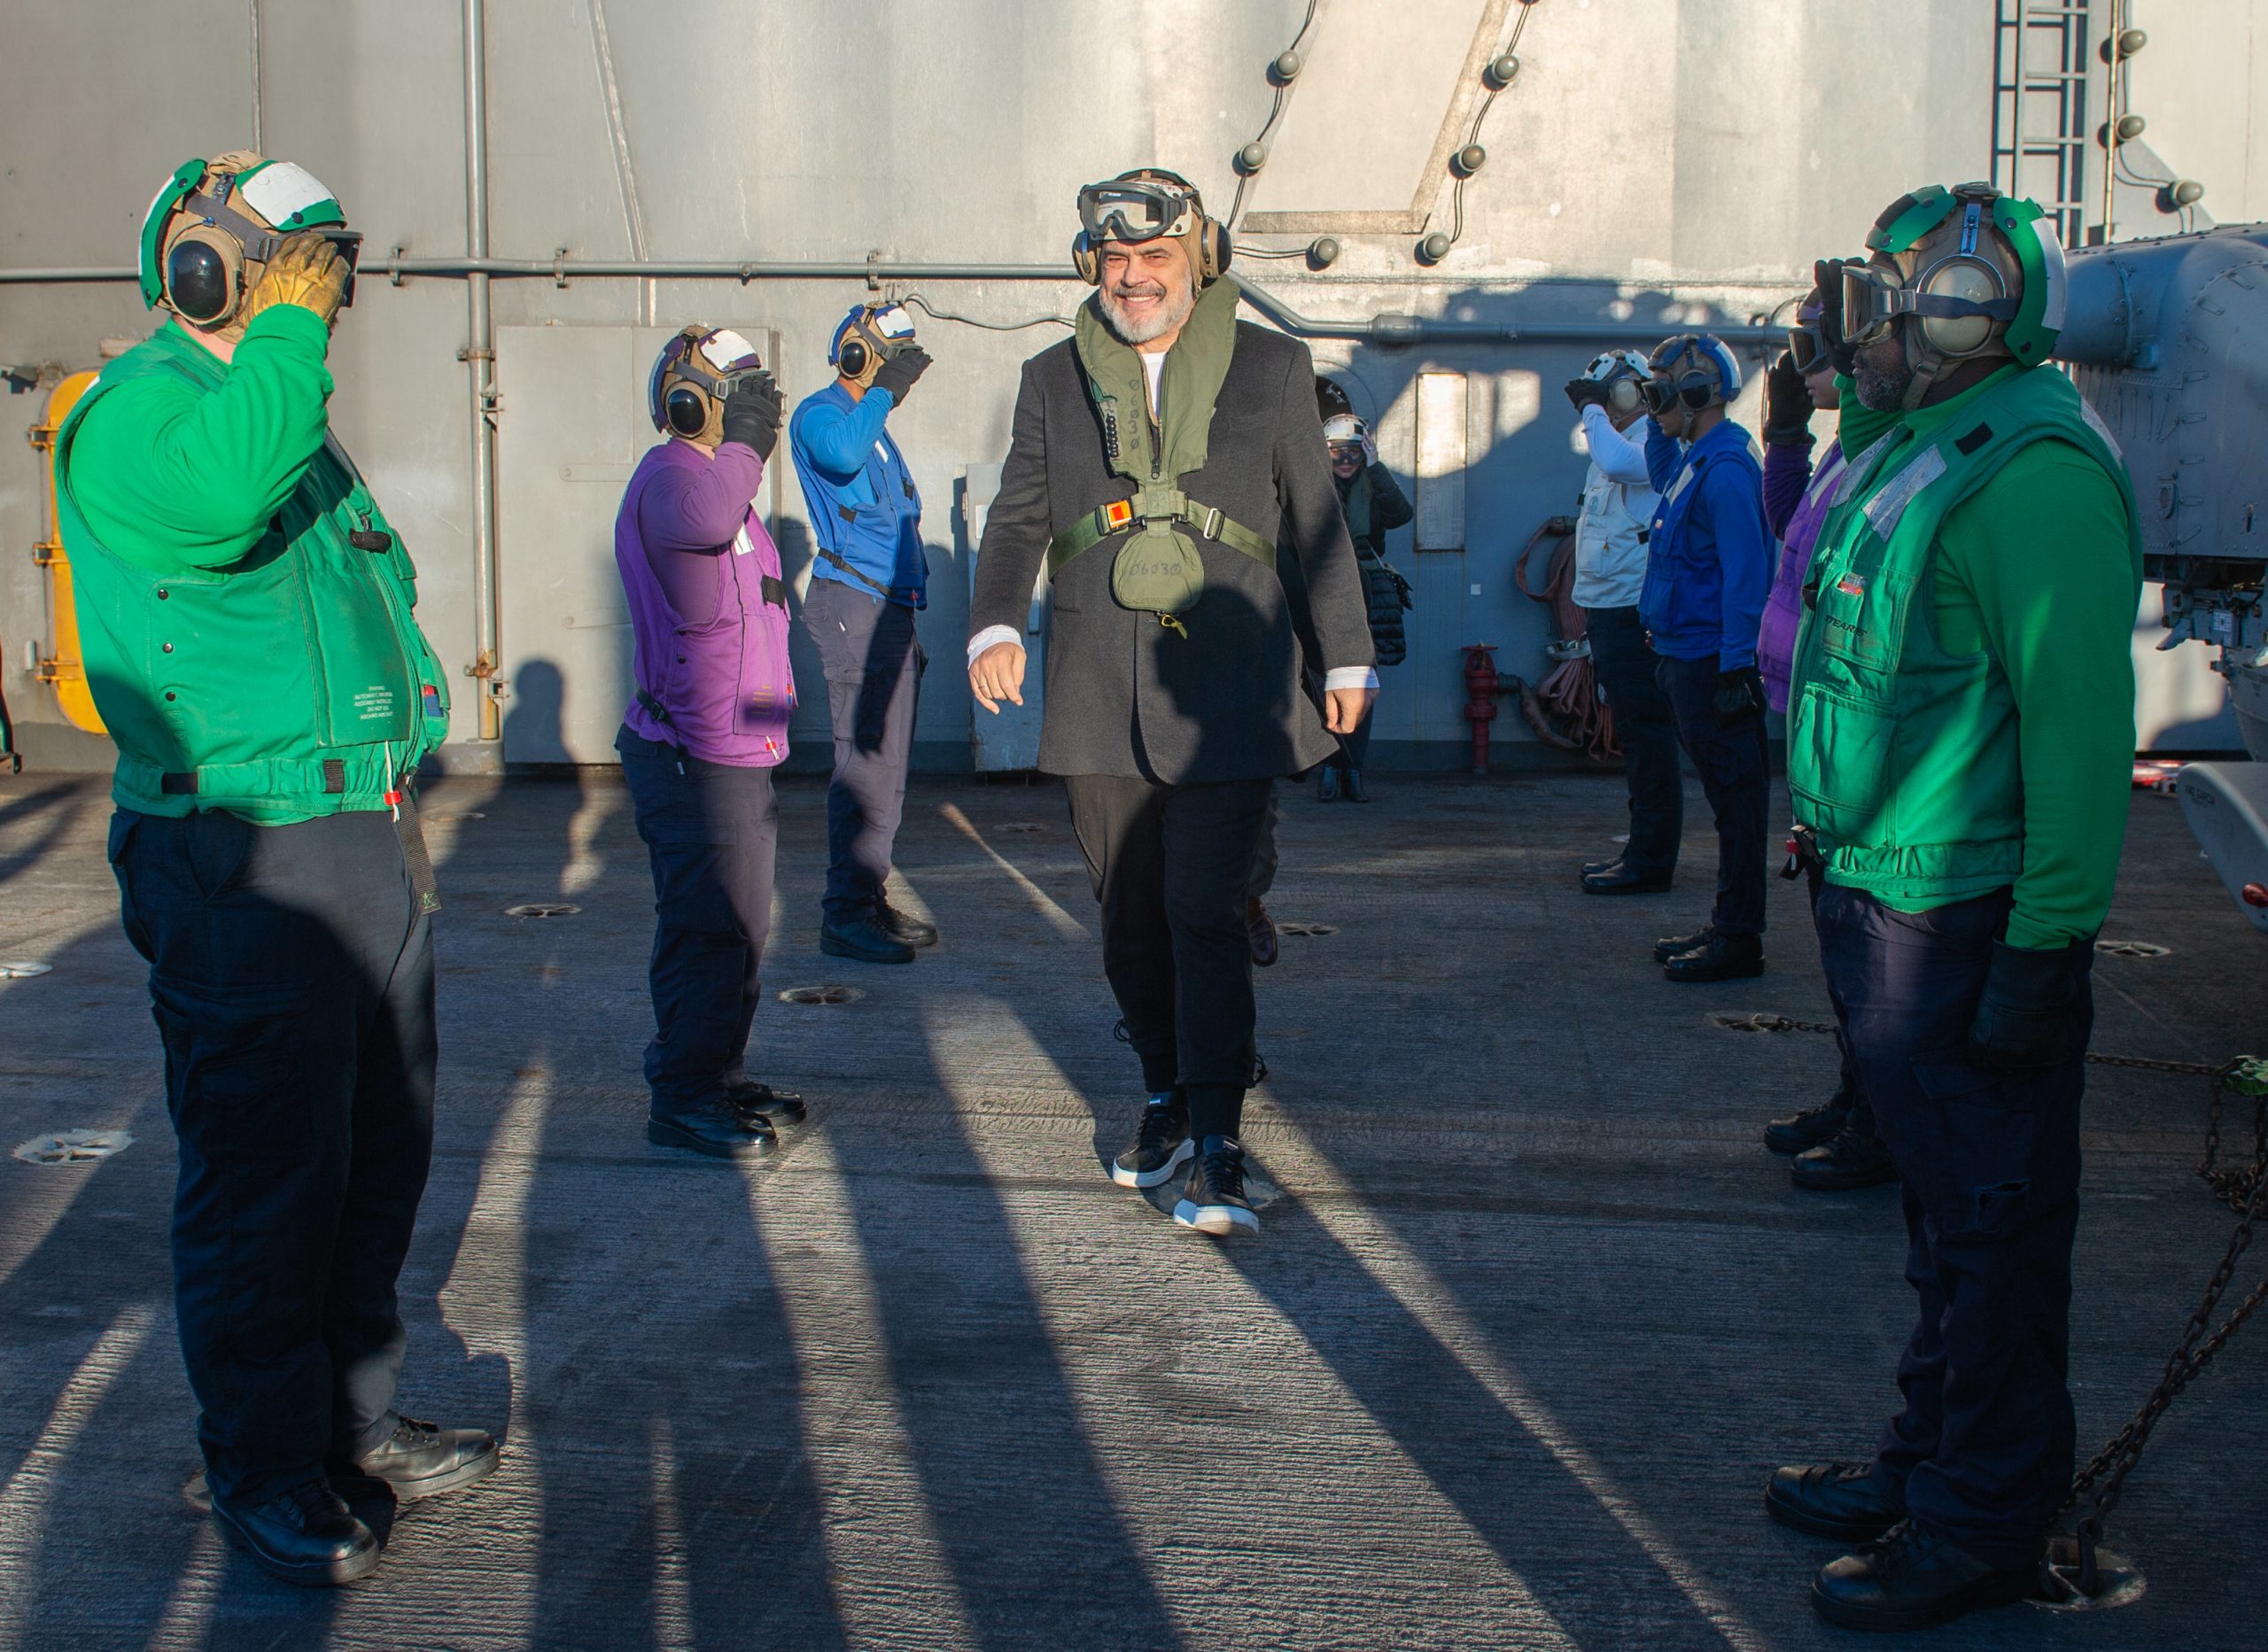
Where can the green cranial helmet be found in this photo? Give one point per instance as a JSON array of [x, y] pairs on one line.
[[1979, 274]]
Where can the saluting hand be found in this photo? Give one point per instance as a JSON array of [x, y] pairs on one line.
[[307, 271], [998, 674]]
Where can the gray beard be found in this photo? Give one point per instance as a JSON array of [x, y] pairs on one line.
[[1883, 392], [1171, 316]]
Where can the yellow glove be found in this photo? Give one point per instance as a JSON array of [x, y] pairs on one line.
[[307, 271]]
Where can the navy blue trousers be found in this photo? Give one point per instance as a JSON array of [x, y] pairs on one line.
[[711, 831], [1736, 771], [1989, 1164], [874, 664], [291, 978], [1648, 732]]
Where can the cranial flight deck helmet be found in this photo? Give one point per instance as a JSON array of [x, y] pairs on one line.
[[1624, 374], [1148, 203], [214, 224], [1980, 274], [692, 376], [1692, 371], [868, 337]]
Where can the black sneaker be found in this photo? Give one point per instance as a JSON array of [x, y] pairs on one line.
[[1800, 1131], [1669, 946], [1214, 1202], [904, 927], [773, 1106], [1160, 1143]]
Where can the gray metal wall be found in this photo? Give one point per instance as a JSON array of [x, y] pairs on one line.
[[1658, 163]]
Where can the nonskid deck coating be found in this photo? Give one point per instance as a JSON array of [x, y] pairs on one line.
[[1531, 1319]]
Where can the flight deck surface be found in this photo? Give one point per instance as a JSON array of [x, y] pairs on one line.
[[1532, 1315]]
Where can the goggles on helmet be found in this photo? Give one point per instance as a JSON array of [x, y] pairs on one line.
[[261, 244], [1133, 210], [1874, 299], [1807, 346]]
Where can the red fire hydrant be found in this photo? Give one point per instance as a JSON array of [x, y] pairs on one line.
[[1481, 688]]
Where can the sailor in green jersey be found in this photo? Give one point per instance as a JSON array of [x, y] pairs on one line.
[[1960, 733], [247, 612]]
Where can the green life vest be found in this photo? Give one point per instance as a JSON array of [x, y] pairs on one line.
[[1902, 758], [1159, 569], [290, 684]]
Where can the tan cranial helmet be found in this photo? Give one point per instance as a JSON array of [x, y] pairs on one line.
[[208, 233]]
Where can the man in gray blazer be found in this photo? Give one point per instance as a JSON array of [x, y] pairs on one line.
[[1164, 459]]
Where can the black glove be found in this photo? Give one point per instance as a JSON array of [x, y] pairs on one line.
[[896, 375], [1740, 694], [1787, 405], [752, 413], [1826, 274], [1584, 391], [2031, 1015]]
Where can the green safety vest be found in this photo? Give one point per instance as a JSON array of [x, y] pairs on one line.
[[290, 684], [1903, 758]]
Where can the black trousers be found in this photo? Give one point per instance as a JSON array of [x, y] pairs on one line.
[[1648, 730], [1736, 774], [1989, 1163], [291, 977], [711, 830], [874, 664], [1170, 866]]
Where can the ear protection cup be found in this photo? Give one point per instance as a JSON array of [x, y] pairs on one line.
[[1213, 239], [204, 276], [850, 361], [1622, 395], [1085, 260], [1961, 278], [687, 409]]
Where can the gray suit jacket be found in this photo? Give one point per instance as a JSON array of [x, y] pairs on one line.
[[1124, 694]]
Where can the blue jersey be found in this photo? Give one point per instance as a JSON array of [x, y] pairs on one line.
[[864, 512], [1708, 552]]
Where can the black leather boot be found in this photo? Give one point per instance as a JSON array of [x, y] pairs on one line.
[[1669, 946], [418, 1460], [1854, 1157], [773, 1106], [1854, 1501], [1912, 1580], [1623, 879], [307, 1536], [719, 1132], [1351, 786], [1721, 957], [1799, 1131], [903, 927], [864, 938]]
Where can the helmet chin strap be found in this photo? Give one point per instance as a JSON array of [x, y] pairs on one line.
[[1925, 363]]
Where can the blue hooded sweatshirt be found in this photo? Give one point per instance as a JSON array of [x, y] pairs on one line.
[[1709, 552]]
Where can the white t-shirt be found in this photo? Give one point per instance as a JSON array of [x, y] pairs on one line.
[[1153, 366]]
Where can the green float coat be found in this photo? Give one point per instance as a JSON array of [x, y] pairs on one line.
[[1962, 717], [231, 629]]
